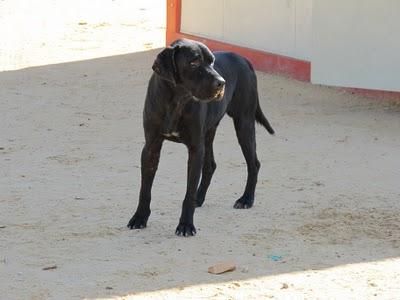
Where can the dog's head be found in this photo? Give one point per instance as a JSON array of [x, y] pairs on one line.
[[190, 65]]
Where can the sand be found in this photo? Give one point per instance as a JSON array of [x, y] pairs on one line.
[[325, 224]]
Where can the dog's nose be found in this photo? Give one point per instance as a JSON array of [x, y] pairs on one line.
[[219, 83]]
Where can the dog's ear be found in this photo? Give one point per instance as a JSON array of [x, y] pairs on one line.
[[164, 65]]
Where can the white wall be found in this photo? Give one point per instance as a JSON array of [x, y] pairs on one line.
[[278, 26], [357, 43], [203, 18]]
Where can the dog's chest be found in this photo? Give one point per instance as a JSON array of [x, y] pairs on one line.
[[173, 121]]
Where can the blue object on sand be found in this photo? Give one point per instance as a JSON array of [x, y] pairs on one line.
[[275, 257]]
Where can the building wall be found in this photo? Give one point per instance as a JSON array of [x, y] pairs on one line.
[[278, 26], [357, 43], [350, 43]]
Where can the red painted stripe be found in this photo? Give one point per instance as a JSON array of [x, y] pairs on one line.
[[173, 19], [263, 61], [377, 94]]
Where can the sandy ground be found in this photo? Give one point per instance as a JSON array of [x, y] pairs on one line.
[[327, 202], [54, 31]]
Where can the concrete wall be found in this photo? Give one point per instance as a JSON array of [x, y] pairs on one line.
[[278, 26], [357, 43]]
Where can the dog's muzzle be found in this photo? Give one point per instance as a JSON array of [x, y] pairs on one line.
[[219, 94], [216, 97]]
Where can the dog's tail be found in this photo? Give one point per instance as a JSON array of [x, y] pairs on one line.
[[261, 119]]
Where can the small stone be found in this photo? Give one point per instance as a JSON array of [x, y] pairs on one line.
[[284, 286], [49, 268], [222, 268]]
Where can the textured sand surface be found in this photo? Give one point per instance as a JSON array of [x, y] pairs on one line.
[[326, 221]]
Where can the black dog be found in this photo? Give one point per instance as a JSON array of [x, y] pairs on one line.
[[187, 96]]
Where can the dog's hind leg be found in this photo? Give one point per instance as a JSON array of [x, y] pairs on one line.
[[209, 167], [245, 131]]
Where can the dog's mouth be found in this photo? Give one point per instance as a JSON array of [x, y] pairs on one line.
[[219, 94], [216, 97]]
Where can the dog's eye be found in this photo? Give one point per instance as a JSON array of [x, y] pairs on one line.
[[195, 63]]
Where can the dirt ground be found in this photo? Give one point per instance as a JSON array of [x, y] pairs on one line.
[[326, 221]]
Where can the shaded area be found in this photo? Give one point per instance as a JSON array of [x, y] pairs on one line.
[[70, 147]]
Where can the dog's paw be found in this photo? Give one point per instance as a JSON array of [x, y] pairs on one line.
[[244, 203], [137, 222], [185, 229]]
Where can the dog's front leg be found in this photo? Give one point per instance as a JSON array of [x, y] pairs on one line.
[[195, 164], [149, 164]]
